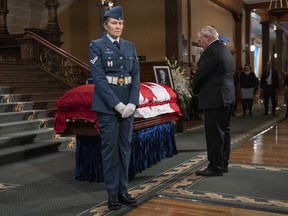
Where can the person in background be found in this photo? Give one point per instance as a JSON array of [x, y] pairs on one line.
[[213, 82], [194, 99], [116, 75], [236, 81], [269, 85], [248, 83]]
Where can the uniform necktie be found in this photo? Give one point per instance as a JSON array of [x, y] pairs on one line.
[[117, 44]]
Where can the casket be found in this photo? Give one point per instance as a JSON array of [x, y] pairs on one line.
[[153, 136], [157, 104]]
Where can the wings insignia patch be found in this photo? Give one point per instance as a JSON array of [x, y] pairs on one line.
[[92, 61]]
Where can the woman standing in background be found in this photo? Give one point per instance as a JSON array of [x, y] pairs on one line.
[[248, 82]]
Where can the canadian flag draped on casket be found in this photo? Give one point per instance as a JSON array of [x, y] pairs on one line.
[[155, 100]]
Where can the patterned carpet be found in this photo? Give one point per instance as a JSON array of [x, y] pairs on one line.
[[181, 182], [46, 185], [246, 186]]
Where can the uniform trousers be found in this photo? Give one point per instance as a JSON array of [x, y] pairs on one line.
[[116, 138], [218, 137]]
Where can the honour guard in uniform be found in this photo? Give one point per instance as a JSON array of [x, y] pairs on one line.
[[116, 76]]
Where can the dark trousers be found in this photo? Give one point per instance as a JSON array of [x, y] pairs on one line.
[[269, 92], [194, 107], [218, 138], [116, 138], [247, 104]]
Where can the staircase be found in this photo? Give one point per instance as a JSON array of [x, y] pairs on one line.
[[28, 99]]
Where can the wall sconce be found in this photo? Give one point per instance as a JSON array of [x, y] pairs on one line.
[[275, 55], [252, 48]]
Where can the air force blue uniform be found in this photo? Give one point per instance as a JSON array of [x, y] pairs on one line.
[[116, 132], [107, 60]]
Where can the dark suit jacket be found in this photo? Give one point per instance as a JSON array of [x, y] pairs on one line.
[[213, 81], [107, 60], [275, 80]]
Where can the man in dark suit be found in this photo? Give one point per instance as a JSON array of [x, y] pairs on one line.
[[116, 75], [269, 85], [214, 84]]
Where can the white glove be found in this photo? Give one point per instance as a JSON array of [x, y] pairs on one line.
[[129, 110], [120, 107]]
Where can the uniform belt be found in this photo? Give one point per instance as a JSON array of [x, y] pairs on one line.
[[119, 80]]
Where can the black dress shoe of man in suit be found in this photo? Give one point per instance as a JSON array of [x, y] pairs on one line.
[[113, 202], [126, 199], [225, 169], [208, 172]]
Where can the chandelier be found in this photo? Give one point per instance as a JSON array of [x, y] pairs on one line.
[[278, 8], [108, 5], [103, 7]]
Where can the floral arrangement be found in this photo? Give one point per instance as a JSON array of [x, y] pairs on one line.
[[182, 83]]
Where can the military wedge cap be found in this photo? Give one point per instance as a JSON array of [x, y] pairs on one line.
[[115, 12]]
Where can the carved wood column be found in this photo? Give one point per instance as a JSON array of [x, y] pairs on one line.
[[173, 29], [247, 35], [238, 41], [236, 8], [286, 61], [279, 51], [265, 42], [3, 18]]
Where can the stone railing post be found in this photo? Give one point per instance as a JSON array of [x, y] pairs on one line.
[[52, 6], [27, 50], [3, 18]]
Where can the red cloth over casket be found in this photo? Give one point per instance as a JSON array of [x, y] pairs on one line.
[[155, 99]]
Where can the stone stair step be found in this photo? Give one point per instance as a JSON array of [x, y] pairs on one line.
[[30, 83], [16, 106], [39, 89], [4, 89], [24, 115], [28, 125], [51, 112], [28, 102], [52, 96], [25, 75], [47, 104], [8, 98], [28, 105], [22, 138], [27, 151]]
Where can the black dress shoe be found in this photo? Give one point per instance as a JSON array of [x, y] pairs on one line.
[[113, 202], [225, 169], [126, 199], [208, 172]]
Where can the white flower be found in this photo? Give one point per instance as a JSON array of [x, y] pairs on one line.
[[182, 83]]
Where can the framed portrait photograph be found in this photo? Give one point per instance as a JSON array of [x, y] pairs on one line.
[[163, 75]]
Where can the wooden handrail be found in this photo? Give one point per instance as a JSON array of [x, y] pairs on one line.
[[53, 60], [57, 49]]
